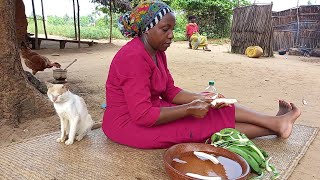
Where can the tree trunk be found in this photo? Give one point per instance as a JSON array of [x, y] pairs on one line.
[[19, 99], [21, 22]]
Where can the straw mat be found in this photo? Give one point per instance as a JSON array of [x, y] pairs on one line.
[[96, 157]]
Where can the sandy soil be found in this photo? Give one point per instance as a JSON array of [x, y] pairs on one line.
[[255, 83]]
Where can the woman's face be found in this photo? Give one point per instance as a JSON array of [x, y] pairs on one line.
[[160, 36]]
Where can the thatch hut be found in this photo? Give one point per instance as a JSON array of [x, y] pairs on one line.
[[252, 26], [297, 27]]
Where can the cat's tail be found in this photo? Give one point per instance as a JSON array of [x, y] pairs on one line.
[[90, 123], [96, 125]]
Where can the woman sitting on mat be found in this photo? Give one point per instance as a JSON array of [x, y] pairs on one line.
[[146, 110], [195, 39]]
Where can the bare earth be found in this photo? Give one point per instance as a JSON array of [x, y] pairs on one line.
[[256, 83]]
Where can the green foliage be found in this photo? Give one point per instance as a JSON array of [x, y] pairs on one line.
[[213, 16], [117, 6], [179, 36], [181, 22], [214, 19], [62, 26], [102, 22], [55, 20], [134, 3], [180, 28]]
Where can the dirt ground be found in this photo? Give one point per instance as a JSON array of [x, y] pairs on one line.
[[255, 83]]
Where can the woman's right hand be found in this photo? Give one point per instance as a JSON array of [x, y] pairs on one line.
[[199, 108]]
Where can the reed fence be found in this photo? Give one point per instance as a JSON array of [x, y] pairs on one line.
[[297, 27], [252, 26]]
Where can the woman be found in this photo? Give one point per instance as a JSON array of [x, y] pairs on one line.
[[194, 38], [146, 110]]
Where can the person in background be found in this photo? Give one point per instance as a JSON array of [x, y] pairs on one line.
[[147, 110], [195, 39]]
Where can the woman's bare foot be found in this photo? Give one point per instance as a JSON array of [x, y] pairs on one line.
[[288, 120], [284, 108]]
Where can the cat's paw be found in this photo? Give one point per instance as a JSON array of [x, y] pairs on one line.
[[69, 142], [61, 140], [79, 137]]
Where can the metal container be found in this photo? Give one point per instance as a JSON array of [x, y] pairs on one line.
[[60, 74]]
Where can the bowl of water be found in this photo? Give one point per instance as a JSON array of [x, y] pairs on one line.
[[181, 163], [59, 74]]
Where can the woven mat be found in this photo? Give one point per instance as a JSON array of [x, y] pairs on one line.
[[96, 157]]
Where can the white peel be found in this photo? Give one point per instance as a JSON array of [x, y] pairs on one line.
[[206, 156], [223, 100], [197, 176], [215, 96]]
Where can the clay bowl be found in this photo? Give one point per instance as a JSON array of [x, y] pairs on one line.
[[59, 74], [234, 163]]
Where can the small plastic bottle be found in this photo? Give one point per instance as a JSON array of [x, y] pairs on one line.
[[211, 88]]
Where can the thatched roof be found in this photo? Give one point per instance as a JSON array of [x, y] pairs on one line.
[[120, 4]]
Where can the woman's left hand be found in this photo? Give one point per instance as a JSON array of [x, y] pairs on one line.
[[221, 105], [209, 95]]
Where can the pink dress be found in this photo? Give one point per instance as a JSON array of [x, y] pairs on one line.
[[136, 89]]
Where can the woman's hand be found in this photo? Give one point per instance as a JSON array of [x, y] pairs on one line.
[[221, 105], [199, 108], [208, 95]]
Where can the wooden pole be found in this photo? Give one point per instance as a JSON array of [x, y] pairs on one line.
[[298, 26], [35, 25], [78, 23], [74, 21], [238, 3], [43, 21], [270, 52], [110, 11]]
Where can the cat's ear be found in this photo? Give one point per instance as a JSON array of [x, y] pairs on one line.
[[49, 85], [66, 85]]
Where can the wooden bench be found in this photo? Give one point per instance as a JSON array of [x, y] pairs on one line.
[[62, 42]]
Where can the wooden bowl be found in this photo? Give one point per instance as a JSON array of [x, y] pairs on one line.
[[178, 151]]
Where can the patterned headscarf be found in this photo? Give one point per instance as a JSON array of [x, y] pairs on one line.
[[144, 17]]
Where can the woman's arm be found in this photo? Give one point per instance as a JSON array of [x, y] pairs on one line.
[[184, 97], [197, 108]]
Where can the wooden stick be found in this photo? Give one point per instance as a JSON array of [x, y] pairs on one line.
[[74, 21], [110, 11], [298, 23], [43, 21], [78, 23], [35, 26]]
